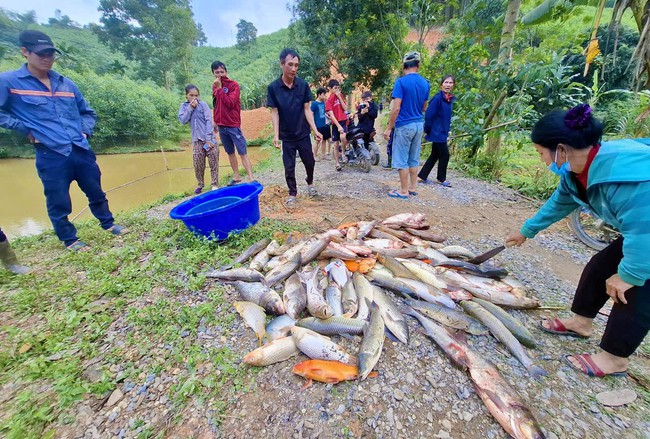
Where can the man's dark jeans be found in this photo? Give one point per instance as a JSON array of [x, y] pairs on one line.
[[303, 148], [57, 171]]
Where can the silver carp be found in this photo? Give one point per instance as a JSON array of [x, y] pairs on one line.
[[294, 296], [372, 343], [425, 272], [426, 235], [243, 274], [394, 266], [501, 333], [319, 347], [349, 299], [316, 304], [282, 272], [364, 294], [338, 272], [514, 326], [333, 299], [365, 228], [254, 317], [274, 352], [310, 251], [429, 293], [502, 400], [448, 317], [393, 318], [457, 251], [279, 327], [333, 325], [250, 252], [261, 295], [260, 260]]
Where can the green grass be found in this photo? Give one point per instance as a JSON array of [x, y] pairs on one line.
[[145, 289]]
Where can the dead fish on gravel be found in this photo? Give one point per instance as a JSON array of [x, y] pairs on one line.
[[273, 352], [404, 220], [352, 233], [393, 318], [279, 327], [457, 251], [333, 325], [476, 270], [261, 295], [403, 236], [349, 299], [431, 254], [448, 317], [294, 296], [514, 326], [278, 250], [316, 304], [395, 266], [501, 333], [425, 272], [260, 260], [364, 294], [320, 347], [276, 261], [425, 234], [338, 272], [326, 371], [380, 234], [250, 252], [254, 317], [365, 228], [502, 400], [282, 272], [242, 274], [516, 287], [372, 343], [338, 251], [385, 243], [333, 299], [310, 251]]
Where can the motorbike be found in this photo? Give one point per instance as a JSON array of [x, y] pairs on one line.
[[590, 229], [356, 152]]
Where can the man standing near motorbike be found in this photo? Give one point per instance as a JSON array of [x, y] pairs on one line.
[[336, 108], [367, 112]]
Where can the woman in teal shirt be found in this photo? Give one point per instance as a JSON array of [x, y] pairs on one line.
[[613, 180]]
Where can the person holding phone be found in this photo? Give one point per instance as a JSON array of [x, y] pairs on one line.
[[204, 143]]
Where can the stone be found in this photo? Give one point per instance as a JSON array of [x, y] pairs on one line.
[[616, 398], [398, 394], [115, 397]]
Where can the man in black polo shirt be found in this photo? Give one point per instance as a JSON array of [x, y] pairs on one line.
[[290, 100]]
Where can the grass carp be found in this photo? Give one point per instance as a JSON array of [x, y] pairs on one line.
[[254, 317], [243, 274], [261, 295], [457, 251], [429, 293], [425, 234], [274, 352], [319, 347], [294, 296], [501, 333], [476, 270], [514, 326], [425, 272], [448, 317], [394, 266], [372, 343], [333, 299], [502, 400], [333, 325]]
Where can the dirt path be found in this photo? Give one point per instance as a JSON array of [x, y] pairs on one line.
[[418, 392]]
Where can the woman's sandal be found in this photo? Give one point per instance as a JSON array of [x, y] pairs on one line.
[[589, 368]]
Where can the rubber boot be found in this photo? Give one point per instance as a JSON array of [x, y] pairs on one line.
[[9, 260], [388, 164]]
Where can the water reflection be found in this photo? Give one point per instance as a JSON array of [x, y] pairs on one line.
[[129, 179]]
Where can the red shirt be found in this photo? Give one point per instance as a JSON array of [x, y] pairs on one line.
[[334, 104], [584, 175], [227, 106]]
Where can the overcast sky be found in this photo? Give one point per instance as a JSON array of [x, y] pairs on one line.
[[218, 17]]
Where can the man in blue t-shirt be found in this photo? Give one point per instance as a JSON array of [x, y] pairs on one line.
[[410, 96], [321, 119]]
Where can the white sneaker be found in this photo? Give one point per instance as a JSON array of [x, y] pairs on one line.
[[214, 188]]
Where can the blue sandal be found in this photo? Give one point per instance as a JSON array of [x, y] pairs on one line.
[[118, 230], [395, 194], [78, 246]]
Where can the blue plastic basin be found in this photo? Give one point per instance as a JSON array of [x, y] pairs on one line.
[[216, 214]]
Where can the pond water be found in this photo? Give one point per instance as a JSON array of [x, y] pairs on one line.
[[129, 180]]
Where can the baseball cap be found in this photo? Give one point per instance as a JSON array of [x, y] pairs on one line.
[[366, 94], [36, 41], [412, 56]]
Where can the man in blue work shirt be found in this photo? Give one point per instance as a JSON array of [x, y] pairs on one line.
[[51, 111]]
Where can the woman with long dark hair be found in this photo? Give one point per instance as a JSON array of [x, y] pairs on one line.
[[613, 180]]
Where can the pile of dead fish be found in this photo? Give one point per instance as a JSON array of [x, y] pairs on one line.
[[336, 283]]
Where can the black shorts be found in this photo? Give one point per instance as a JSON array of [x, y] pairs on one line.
[[326, 131], [336, 136]]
